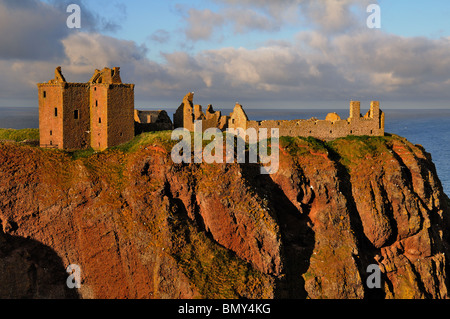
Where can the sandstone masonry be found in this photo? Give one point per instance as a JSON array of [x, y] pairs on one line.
[[101, 114], [372, 123], [97, 114]]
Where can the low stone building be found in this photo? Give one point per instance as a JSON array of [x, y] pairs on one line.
[[331, 128], [148, 121]]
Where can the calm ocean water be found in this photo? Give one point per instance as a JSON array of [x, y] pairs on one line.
[[430, 128]]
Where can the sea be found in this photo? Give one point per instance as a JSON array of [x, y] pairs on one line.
[[429, 128]]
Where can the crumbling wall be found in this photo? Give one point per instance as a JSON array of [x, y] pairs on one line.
[[188, 113], [184, 116], [321, 129], [330, 128]]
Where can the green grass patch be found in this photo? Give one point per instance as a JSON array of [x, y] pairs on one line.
[[298, 146], [77, 154], [215, 271], [161, 138], [353, 149], [19, 135]]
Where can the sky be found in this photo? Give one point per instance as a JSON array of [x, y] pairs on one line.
[[261, 53]]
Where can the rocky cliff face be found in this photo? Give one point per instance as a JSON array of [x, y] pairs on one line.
[[140, 226]]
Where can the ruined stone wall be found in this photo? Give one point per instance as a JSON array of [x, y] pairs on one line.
[[188, 113], [238, 118], [331, 128], [50, 123], [76, 116], [184, 116], [321, 129]]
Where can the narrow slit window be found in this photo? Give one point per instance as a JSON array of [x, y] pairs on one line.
[[99, 120], [56, 111], [44, 94], [96, 102], [51, 133], [75, 115]]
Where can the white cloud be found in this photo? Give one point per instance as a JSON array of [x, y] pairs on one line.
[[331, 16], [30, 30], [360, 65], [316, 65], [202, 24]]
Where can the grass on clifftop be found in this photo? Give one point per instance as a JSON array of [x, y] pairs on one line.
[[31, 134], [161, 137], [347, 147]]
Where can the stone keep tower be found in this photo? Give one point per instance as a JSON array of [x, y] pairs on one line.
[[64, 113], [99, 113]]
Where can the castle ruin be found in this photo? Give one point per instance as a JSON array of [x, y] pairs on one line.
[[331, 128], [100, 114]]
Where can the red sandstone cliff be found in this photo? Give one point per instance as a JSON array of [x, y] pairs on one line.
[[140, 226]]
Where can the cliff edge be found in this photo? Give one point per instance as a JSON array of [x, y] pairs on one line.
[[140, 226]]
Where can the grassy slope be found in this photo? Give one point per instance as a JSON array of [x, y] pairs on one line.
[[19, 135]]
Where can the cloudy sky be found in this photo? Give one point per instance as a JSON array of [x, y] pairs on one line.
[[262, 53]]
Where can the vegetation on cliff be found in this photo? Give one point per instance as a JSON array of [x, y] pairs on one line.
[[141, 226], [19, 135]]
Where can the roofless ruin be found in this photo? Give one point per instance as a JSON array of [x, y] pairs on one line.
[[100, 114]]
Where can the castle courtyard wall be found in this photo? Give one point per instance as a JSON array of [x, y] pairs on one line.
[[321, 129]]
